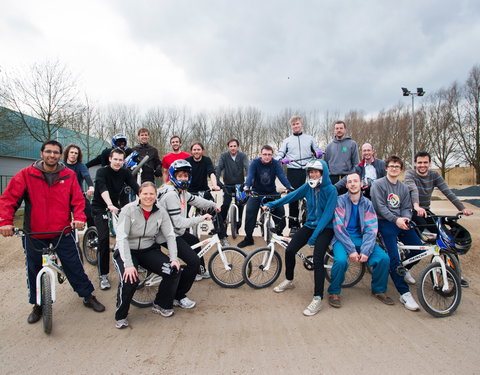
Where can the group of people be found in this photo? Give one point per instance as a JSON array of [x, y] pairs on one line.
[[159, 218]]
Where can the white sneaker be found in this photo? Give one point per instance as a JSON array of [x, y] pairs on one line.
[[224, 242], [184, 303], [314, 307], [104, 283], [122, 323], [409, 278], [156, 309], [206, 275], [198, 277], [283, 286], [409, 302]]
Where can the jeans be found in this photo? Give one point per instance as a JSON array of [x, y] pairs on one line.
[[390, 232], [378, 261]]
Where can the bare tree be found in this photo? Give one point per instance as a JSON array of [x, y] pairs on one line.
[[46, 91]]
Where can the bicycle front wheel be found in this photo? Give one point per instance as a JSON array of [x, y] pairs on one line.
[[228, 274], [233, 222], [147, 288], [451, 260], [354, 273], [90, 245], [47, 311], [254, 269], [434, 298]]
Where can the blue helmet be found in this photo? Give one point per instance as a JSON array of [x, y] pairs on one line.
[[119, 137], [177, 166]]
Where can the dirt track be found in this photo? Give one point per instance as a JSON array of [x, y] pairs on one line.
[[242, 331]]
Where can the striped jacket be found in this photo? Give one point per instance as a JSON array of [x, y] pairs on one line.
[[368, 224]]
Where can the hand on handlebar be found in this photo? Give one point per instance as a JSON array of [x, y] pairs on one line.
[[420, 211], [403, 223], [285, 161], [113, 209], [467, 212], [265, 208], [78, 224], [319, 154], [207, 217], [6, 230], [90, 191]]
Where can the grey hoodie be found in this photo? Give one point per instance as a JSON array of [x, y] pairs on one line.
[[341, 156]]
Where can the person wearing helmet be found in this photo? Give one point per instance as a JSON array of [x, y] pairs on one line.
[[317, 231], [174, 198], [422, 181], [118, 141]]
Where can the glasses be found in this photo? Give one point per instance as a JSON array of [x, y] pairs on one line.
[[267, 154], [394, 166], [51, 152]]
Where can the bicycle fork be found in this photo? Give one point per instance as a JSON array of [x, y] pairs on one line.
[[50, 274]]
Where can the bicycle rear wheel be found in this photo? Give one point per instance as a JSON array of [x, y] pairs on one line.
[[233, 222], [47, 311], [90, 245], [147, 288], [227, 278], [436, 301], [254, 272], [354, 274]]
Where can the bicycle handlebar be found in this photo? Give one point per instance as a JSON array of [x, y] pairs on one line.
[[139, 165], [22, 232]]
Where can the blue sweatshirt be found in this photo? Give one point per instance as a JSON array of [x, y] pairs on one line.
[[261, 177], [321, 203]]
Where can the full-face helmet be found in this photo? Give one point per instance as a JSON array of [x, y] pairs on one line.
[[455, 236], [119, 137], [177, 166], [314, 165]]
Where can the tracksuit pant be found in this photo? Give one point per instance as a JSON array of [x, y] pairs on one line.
[[378, 261], [151, 259], [297, 177]]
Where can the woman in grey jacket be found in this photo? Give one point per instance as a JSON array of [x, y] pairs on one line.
[[139, 224]]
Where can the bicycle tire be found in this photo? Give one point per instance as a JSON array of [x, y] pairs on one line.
[[233, 223], [433, 299], [253, 269], [451, 260], [47, 311], [232, 278], [353, 275], [90, 245], [144, 295]]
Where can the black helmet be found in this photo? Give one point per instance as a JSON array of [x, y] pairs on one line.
[[462, 241]]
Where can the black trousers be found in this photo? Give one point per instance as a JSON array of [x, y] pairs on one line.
[[101, 223], [151, 259], [297, 178]]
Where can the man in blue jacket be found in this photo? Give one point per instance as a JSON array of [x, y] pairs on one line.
[[356, 226], [317, 231], [261, 180]]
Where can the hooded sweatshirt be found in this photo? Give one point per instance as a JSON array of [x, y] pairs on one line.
[[321, 202], [341, 156]]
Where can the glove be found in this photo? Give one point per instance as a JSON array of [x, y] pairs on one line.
[[285, 161], [247, 190], [319, 154]]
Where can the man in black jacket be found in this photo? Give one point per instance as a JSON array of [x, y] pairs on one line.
[[153, 167]]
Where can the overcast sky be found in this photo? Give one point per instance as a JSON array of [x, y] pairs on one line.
[[326, 55]]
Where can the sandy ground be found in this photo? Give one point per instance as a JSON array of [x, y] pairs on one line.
[[242, 331]]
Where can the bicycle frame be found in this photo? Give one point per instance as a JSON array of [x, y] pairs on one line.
[[49, 267], [207, 244]]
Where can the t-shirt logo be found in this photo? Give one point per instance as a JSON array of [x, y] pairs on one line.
[[344, 149], [393, 200]]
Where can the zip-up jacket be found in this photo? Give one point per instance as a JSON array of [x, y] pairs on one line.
[[341, 156], [153, 167], [234, 171], [321, 203], [368, 224], [134, 233], [295, 147], [378, 164], [175, 202], [50, 199]]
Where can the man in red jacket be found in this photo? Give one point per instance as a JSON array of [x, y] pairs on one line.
[[51, 192]]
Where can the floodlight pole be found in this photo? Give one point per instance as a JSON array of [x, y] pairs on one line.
[[407, 92]]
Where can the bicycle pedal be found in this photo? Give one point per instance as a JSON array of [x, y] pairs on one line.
[[401, 271]]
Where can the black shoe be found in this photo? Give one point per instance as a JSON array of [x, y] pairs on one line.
[[246, 242], [93, 303], [35, 315], [212, 232], [464, 283]]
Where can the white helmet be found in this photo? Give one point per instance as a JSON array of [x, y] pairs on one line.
[[316, 165]]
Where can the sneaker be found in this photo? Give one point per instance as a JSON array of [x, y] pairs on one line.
[[409, 302], [104, 283], [283, 286], [198, 277], [409, 278], [224, 242], [122, 323], [464, 283], [35, 315], [184, 303], [334, 300], [206, 275], [248, 241], [93, 303], [156, 309], [314, 307]]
